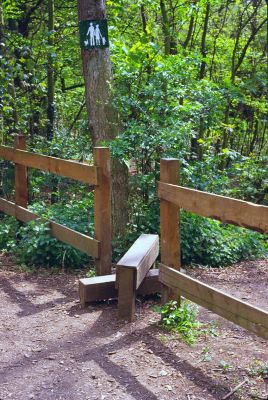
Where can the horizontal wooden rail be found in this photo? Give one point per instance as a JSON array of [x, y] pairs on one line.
[[67, 168], [225, 209], [66, 235], [249, 317]]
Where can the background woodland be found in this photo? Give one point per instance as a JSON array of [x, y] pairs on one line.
[[189, 81]]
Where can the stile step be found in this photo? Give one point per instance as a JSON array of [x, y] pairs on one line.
[[103, 287]]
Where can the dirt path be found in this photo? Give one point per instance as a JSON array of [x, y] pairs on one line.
[[52, 349]]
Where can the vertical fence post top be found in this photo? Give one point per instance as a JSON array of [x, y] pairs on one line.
[[169, 159], [19, 138], [101, 148]]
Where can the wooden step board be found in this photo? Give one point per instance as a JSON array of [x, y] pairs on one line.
[[131, 271], [103, 287]]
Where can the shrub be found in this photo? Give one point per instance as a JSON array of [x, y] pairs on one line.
[[37, 247], [8, 231], [209, 242], [181, 320]]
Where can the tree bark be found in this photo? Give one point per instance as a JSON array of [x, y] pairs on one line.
[[2, 28], [203, 43], [50, 73], [103, 118]]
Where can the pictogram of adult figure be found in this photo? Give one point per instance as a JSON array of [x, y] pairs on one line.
[[91, 33], [98, 35]]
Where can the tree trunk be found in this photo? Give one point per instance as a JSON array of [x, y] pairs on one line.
[[103, 119], [2, 27], [203, 43], [50, 73]]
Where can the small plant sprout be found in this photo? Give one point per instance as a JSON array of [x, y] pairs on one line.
[[225, 365], [259, 368], [206, 357], [181, 320]]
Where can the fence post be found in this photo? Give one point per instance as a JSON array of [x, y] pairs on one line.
[[169, 225], [21, 178], [102, 210]]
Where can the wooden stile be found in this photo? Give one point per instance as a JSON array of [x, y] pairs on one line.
[[21, 179], [126, 294], [102, 210], [97, 289], [131, 271], [225, 209], [67, 168], [141, 256], [169, 225], [227, 306], [103, 287], [78, 240]]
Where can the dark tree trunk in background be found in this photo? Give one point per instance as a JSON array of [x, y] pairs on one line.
[[103, 118], [2, 28], [196, 148], [203, 43], [50, 73]]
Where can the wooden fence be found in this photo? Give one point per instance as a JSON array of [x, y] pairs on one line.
[[98, 175], [237, 212]]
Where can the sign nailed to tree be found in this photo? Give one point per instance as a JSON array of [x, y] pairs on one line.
[[93, 34]]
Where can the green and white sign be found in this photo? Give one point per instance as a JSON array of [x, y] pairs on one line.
[[93, 34]]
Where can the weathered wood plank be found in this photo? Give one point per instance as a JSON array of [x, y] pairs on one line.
[[66, 235], [102, 210], [132, 269], [7, 153], [126, 293], [103, 287], [227, 306], [170, 225], [21, 179], [141, 256], [97, 289], [225, 209], [67, 168], [150, 284]]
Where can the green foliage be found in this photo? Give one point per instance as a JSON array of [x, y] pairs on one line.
[[216, 125], [208, 242], [181, 320], [8, 233], [259, 368], [32, 244], [225, 365], [37, 247]]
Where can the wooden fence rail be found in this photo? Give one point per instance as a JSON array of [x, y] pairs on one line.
[[225, 209], [237, 212], [97, 175], [241, 313], [69, 169]]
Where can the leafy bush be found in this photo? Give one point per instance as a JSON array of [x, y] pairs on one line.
[[181, 320], [208, 242], [37, 247], [8, 232]]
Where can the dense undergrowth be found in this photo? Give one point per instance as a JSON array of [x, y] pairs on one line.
[[203, 241]]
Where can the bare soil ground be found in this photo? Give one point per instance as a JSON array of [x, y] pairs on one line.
[[50, 348]]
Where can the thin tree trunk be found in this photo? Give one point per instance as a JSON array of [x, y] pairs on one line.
[[190, 32], [2, 29], [50, 73], [165, 27], [203, 43], [103, 118]]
